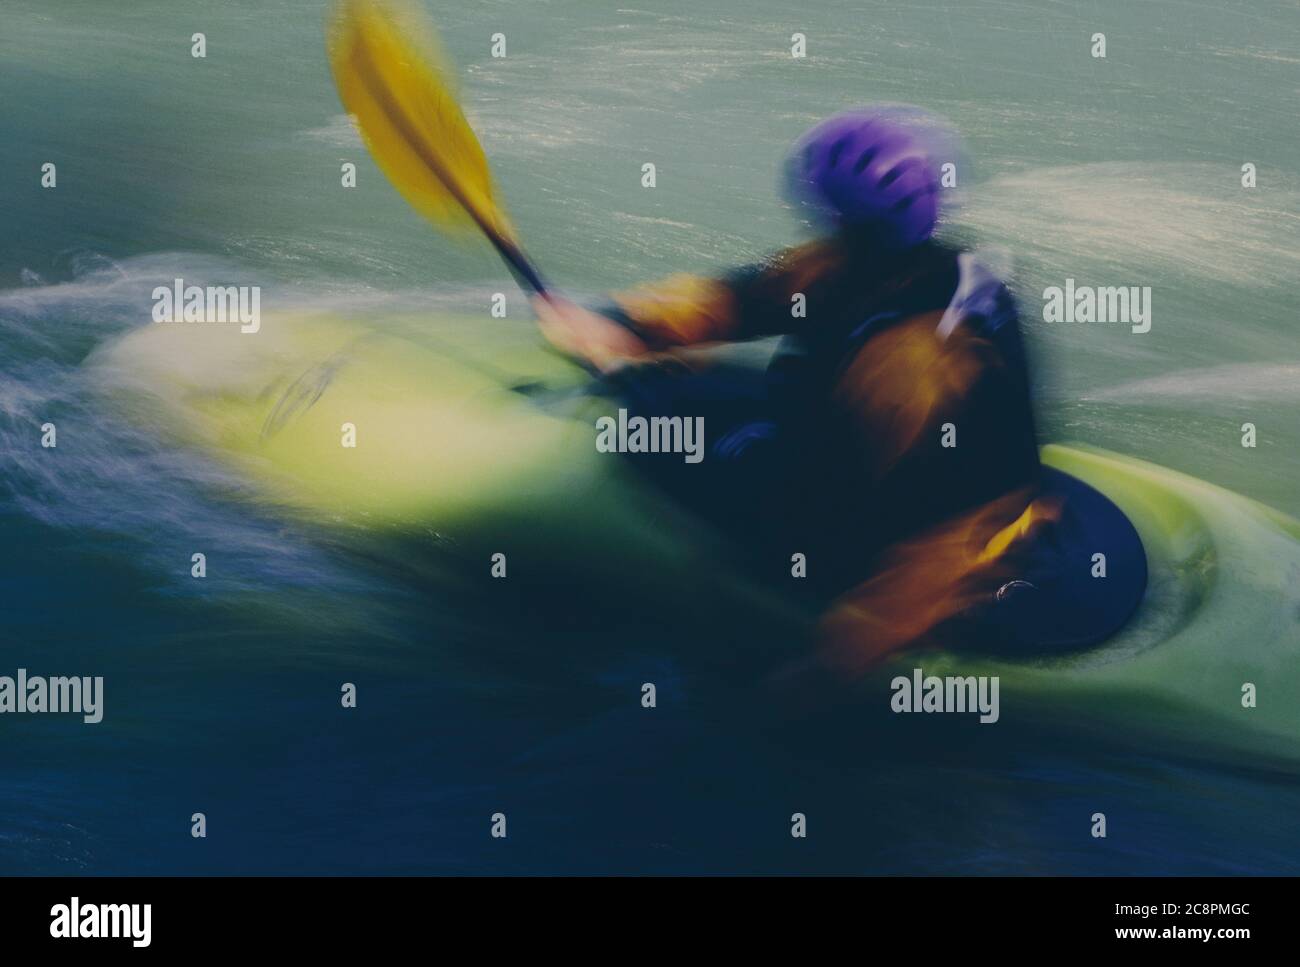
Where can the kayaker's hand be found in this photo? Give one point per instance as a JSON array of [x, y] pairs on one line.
[[588, 335]]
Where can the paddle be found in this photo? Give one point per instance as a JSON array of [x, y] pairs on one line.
[[394, 79]]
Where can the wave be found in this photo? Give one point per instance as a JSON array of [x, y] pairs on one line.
[[1192, 219], [111, 477], [339, 131], [1238, 382]]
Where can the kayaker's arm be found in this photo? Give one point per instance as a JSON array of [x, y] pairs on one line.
[[687, 310], [578, 331], [682, 310], [750, 302]]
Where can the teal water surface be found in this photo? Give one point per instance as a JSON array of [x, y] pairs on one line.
[[222, 695]]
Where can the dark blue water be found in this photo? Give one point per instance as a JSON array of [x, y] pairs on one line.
[[222, 695], [209, 710]]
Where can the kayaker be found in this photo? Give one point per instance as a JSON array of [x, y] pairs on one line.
[[890, 444]]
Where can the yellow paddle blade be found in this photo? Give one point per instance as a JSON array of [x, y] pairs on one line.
[[394, 79]]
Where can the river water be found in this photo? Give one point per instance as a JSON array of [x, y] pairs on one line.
[[222, 694]]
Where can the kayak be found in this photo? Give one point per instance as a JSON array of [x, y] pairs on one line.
[[467, 428]]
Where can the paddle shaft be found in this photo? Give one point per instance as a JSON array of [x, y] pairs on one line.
[[521, 267]]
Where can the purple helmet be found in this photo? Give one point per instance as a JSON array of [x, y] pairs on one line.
[[871, 169]]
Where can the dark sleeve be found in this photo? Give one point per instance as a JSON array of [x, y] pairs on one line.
[[680, 310], [749, 302]]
